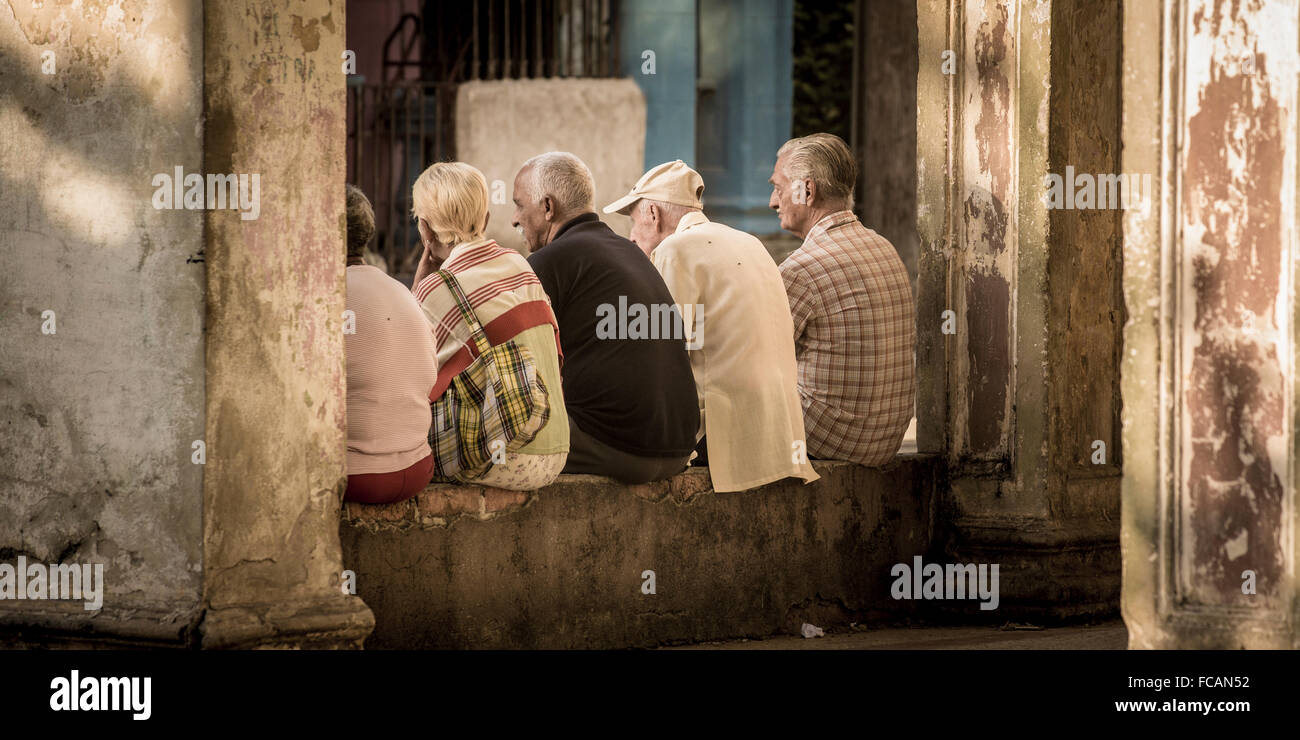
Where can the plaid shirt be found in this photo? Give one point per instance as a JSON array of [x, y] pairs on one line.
[[855, 340]]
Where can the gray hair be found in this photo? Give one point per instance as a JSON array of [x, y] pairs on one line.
[[827, 161], [671, 213], [565, 178]]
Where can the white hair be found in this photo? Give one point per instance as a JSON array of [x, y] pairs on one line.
[[669, 213], [827, 161], [565, 178]]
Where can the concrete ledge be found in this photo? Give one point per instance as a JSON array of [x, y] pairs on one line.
[[67, 625], [333, 622], [562, 567]]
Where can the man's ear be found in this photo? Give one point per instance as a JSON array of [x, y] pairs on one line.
[[810, 191], [548, 206]]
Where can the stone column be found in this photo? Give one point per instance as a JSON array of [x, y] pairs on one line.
[[1210, 480], [276, 440], [171, 374], [1018, 385]]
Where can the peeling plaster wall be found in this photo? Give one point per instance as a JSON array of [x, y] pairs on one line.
[[97, 420], [1209, 371], [275, 368], [998, 396], [1237, 212], [989, 210], [1085, 260], [934, 225]]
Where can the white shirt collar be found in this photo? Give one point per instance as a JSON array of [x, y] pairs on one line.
[[693, 218]]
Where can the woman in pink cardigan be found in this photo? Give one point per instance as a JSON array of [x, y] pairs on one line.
[[391, 371]]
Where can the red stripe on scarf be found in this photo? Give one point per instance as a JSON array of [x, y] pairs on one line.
[[501, 329]]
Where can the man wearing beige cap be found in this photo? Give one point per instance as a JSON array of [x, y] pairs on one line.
[[742, 354]]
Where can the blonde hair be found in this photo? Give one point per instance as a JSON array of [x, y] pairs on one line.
[[452, 197], [827, 161]]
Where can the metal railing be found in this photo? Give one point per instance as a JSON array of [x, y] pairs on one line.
[[516, 39], [395, 130], [397, 127]]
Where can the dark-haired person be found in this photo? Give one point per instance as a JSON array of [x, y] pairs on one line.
[[390, 372], [851, 301]]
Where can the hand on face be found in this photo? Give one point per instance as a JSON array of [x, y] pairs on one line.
[[435, 252]]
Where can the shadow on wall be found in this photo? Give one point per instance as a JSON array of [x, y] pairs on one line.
[[99, 416]]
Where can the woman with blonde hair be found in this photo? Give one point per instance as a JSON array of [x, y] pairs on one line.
[[450, 205]]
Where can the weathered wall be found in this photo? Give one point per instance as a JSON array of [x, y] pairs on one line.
[[501, 123], [1210, 283], [887, 124], [274, 93], [97, 419], [562, 567], [1030, 366], [1083, 272]]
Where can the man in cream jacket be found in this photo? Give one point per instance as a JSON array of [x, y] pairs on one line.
[[742, 354]]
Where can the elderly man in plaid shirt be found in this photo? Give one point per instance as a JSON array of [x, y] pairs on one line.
[[851, 300]]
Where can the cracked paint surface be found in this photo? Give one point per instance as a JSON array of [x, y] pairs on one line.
[[1238, 214], [988, 197]]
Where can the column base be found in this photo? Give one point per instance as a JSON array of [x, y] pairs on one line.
[[329, 623]]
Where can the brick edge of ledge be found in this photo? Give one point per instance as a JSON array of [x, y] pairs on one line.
[[441, 503]]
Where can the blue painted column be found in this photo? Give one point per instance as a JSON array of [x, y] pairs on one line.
[[666, 28], [746, 61]]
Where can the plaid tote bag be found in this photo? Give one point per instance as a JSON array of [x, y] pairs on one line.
[[496, 405]]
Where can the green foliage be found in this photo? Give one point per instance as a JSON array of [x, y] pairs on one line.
[[823, 67]]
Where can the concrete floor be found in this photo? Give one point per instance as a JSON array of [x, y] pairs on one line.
[[1106, 636]]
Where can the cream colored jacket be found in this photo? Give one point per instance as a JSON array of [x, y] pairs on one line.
[[744, 364]]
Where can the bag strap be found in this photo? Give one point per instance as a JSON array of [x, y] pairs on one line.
[[481, 343]]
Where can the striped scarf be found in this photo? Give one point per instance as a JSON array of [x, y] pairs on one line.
[[506, 296]]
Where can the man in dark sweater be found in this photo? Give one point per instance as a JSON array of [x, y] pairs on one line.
[[629, 390]]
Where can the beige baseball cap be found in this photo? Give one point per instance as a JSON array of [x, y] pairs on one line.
[[670, 182]]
